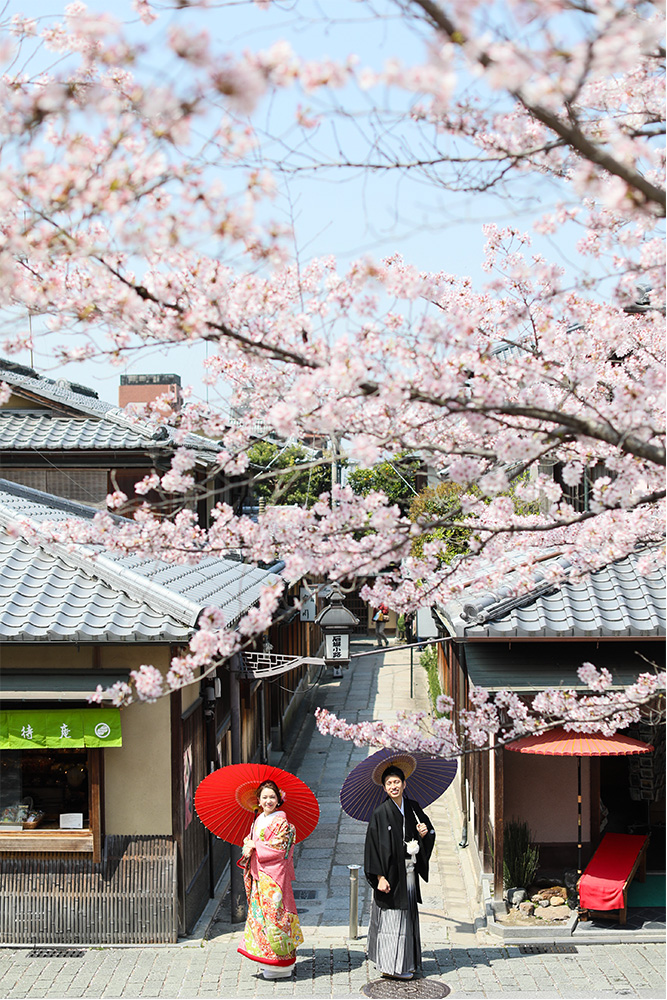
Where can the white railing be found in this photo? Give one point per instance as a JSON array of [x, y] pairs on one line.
[[258, 665]]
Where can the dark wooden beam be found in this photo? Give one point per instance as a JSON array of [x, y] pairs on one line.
[[498, 823]]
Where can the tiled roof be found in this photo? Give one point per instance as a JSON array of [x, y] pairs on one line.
[[510, 349], [77, 397], [85, 403], [225, 583], [26, 502], [44, 598], [25, 432], [21, 431], [616, 601], [48, 593]]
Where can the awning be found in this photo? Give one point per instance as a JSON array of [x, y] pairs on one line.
[[527, 667], [60, 729], [559, 742], [27, 685]]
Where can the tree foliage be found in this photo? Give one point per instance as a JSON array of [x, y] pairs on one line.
[[444, 528], [288, 475], [432, 506], [136, 215], [397, 479]]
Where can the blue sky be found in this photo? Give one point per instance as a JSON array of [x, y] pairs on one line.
[[342, 213]]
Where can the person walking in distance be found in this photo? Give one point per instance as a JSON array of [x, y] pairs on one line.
[[380, 618]]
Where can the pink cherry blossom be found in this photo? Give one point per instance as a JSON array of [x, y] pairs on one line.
[[148, 682], [144, 9], [142, 211]]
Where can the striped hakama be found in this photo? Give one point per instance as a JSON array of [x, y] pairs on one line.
[[394, 944]]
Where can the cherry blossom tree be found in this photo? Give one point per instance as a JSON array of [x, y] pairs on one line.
[[135, 211]]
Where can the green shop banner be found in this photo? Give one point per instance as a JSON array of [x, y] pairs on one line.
[[59, 729]]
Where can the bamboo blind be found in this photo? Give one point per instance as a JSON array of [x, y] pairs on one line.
[[130, 897]]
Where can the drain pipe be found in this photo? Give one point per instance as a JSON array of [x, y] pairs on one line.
[[463, 842]]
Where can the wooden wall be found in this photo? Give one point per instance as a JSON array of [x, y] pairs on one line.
[[129, 897]]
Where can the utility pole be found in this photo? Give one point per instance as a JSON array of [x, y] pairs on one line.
[[335, 459]]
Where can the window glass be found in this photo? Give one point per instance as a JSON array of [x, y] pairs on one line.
[[37, 787]]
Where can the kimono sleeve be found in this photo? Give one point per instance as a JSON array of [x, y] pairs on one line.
[[426, 843], [373, 866], [282, 836]]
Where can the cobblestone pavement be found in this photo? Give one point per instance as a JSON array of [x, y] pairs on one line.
[[333, 968], [329, 964]]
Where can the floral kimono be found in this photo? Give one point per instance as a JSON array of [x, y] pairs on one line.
[[272, 930]]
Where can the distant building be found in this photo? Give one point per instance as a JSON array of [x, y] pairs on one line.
[[61, 438]]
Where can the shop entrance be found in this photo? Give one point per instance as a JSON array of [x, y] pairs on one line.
[[632, 797]]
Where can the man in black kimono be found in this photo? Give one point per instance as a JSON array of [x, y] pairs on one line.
[[399, 842]]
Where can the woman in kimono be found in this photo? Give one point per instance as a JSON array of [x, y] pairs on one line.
[[399, 842], [272, 930]]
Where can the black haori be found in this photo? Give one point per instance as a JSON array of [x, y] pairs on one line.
[[393, 935]]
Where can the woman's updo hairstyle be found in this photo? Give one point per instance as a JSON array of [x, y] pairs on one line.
[[272, 785]]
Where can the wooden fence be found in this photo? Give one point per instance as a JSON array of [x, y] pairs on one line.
[[130, 897]]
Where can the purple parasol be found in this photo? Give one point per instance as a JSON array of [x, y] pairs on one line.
[[427, 777]]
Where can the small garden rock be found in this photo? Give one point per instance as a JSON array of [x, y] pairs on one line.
[[552, 913], [516, 896]]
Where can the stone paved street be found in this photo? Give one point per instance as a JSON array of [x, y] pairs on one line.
[[333, 967], [457, 949]]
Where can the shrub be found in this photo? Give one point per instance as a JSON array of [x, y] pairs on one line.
[[521, 858], [429, 661]]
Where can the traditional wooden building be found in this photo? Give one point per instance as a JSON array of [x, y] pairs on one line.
[[614, 618], [61, 438], [99, 841]]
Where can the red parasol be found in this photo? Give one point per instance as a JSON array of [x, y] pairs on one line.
[[226, 801], [559, 742]]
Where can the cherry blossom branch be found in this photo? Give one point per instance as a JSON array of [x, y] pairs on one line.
[[497, 719], [570, 133], [116, 225]]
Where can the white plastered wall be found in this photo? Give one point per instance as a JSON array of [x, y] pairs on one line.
[[137, 776]]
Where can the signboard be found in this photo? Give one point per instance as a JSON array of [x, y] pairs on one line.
[[71, 821], [337, 646], [308, 610], [60, 728]]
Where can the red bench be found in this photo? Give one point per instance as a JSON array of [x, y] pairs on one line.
[[604, 883]]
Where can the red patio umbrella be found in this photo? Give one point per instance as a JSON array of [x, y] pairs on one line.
[[559, 742], [226, 801]]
